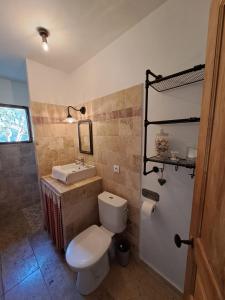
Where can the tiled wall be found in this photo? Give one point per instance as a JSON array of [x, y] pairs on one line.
[[18, 178], [54, 140], [117, 125]]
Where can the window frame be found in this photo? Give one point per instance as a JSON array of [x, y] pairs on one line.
[[26, 108]]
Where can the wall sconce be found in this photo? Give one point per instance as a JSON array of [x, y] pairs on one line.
[[69, 118], [44, 33]]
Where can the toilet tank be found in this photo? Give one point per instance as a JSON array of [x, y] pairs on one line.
[[112, 212]]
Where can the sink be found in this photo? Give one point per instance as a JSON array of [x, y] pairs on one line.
[[72, 173]]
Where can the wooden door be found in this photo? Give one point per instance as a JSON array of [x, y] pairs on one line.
[[205, 273]]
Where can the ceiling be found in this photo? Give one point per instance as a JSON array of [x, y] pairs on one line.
[[78, 30]]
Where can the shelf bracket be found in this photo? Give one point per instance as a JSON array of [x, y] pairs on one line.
[[153, 170], [149, 72], [147, 123]]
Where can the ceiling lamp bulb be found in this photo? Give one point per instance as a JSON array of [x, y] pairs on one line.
[[45, 46], [44, 33]]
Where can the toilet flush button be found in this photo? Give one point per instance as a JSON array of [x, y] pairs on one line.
[[116, 168]]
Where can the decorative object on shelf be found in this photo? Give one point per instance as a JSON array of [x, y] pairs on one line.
[[69, 118], [174, 155], [162, 180], [160, 84], [162, 144], [191, 153]]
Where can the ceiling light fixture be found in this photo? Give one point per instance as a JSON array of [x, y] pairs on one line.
[[69, 118], [44, 33]]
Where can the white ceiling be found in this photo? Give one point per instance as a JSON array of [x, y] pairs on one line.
[[78, 30]]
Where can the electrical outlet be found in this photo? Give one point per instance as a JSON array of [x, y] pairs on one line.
[[116, 168]]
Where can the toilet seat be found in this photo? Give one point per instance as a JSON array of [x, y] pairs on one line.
[[87, 248]]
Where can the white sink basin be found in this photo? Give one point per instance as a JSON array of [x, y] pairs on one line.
[[72, 173]]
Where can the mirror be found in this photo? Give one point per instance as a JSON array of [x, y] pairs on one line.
[[85, 136]]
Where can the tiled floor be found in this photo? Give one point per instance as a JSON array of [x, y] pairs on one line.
[[31, 268]]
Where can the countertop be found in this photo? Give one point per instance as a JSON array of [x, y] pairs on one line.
[[61, 188]]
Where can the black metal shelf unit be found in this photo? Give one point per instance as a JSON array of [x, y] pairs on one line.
[[161, 84], [178, 79], [175, 121], [178, 163]]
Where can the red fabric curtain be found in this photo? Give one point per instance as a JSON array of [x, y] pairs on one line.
[[51, 203]]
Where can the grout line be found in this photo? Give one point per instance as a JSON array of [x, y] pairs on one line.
[[42, 275], [20, 282], [5, 292]]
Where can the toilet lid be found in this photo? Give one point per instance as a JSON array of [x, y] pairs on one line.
[[87, 247]]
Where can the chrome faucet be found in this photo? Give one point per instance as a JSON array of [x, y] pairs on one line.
[[81, 159]]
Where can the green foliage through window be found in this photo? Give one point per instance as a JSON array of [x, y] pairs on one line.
[[14, 124]]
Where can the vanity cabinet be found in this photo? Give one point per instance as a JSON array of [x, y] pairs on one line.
[[69, 209]]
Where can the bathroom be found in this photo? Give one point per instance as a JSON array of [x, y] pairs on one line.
[[90, 175]]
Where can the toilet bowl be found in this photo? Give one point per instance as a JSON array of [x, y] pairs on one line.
[[87, 253]]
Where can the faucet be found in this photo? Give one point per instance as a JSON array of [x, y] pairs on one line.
[[81, 159]]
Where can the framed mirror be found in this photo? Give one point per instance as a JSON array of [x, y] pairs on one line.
[[85, 136]]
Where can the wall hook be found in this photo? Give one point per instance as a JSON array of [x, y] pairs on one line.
[[193, 173], [162, 180]]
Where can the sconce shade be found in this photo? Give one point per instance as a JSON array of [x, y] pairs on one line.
[[70, 120]]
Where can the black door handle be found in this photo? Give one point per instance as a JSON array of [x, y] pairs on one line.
[[178, 241]]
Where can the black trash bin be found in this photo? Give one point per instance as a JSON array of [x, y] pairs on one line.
[[123, 252]]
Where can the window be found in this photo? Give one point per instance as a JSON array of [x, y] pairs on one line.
[[14, 124]]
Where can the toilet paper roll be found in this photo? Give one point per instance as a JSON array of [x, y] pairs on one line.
[[147, 208]]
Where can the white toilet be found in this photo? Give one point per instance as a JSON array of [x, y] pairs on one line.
[[87, 253]]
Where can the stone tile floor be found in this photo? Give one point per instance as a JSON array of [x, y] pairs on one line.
[[33, 217], [31, 268]]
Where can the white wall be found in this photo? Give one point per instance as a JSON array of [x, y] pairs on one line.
[[174, 208], [47, 84], [170, 39], [13, 92]]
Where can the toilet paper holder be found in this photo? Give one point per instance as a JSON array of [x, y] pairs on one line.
[[150, 195]]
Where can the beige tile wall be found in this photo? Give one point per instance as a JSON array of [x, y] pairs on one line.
[[117, 126], [54, 140], [18, 179]]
